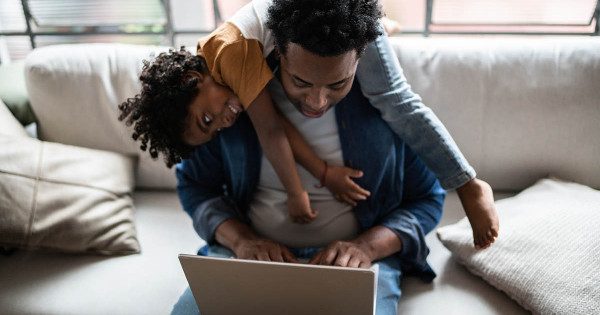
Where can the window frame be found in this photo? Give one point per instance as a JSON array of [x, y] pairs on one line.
[[170, 32]]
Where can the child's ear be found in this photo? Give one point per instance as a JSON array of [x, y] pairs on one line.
[[193, 74]]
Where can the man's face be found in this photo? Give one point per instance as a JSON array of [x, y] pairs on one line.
[[314, 83]]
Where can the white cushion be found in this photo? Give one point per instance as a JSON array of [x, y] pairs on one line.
[[75, 91], [148, 283], [546, 257], [65, 198]]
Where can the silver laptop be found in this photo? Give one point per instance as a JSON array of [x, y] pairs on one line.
[[225, 286]]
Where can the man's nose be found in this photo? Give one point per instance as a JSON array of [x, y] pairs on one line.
[[316, 99]]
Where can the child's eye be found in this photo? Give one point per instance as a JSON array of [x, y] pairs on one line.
[[207, 120]]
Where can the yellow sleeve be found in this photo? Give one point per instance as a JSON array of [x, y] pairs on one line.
[[236, 62]]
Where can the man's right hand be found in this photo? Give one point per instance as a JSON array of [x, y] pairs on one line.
[[263, 249], [246, 244]]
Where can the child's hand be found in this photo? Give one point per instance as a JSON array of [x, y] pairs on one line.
[[299, 208], [343, 188]]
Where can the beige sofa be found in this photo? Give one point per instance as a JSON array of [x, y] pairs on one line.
[[520, 109]]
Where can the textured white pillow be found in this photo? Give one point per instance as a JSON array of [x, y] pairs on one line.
[[65, 198], [547, 256]]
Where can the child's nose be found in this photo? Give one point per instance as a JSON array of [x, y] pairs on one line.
[[228, 121]]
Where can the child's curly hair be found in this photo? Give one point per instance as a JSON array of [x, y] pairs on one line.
[[160, 110]]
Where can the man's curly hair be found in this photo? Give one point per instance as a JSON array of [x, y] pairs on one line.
[[325, 27], [160, 110]]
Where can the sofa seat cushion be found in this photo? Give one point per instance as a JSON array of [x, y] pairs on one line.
[[145, 283], [455, 290], [545, 257]]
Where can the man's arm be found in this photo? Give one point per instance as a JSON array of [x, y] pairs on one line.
[[402, 230], [376, 243], [200, 190]]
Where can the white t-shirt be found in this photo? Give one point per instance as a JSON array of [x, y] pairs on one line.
[[268, 210]]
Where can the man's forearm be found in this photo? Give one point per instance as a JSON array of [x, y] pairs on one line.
[[231, 232], [379, 242]]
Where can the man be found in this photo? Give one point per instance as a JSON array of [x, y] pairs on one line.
[[238, 204]]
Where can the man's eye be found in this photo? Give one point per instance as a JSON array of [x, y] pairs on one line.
[[301, 85], [207, 120]]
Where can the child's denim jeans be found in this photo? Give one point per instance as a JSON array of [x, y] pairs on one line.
[[382, 81]]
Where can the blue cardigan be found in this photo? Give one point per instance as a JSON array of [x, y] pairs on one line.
[[218, 182]]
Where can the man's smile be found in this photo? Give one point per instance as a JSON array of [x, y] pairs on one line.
[[312, 114]]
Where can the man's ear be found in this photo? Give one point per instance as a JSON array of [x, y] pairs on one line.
[[193, 74], [277, 55]]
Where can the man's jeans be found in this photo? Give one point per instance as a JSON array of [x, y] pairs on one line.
[[388, 283], [382, 81]]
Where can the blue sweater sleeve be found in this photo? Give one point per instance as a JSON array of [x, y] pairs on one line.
[[201, 181], [418, 214]]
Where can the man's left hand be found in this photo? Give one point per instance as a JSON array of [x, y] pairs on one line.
[[344, 254]]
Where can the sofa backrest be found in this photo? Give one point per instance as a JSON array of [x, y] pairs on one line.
[[519, 108], [75, 91]]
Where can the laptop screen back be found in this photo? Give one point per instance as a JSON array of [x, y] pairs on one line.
[[235, 286]]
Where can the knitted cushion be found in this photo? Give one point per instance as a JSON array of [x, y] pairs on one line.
[[547, 256]]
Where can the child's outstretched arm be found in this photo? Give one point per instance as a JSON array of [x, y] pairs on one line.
[[277, 149], [338, 179]]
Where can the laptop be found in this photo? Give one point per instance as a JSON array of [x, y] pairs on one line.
[[224, 286]]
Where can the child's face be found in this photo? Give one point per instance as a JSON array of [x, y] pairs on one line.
[[214, 108]]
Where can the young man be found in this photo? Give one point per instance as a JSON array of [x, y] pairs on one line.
[[237, 202]]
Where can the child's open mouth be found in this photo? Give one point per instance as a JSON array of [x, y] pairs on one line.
[[236, 109]]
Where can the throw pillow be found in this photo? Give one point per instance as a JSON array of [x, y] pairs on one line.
[[547, 257], [65, 198]]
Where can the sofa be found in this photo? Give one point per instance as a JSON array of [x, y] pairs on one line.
[[520, 109]]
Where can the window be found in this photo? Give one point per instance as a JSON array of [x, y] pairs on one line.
[[182, 22]]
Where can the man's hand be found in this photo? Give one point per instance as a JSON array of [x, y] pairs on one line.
[[344, 254], [339, 182], [263, 249]]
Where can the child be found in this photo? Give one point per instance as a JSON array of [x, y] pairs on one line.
[[235, 56], [181, 106]]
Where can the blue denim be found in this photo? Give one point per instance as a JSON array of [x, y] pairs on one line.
[[388, 282], [383, 83]]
